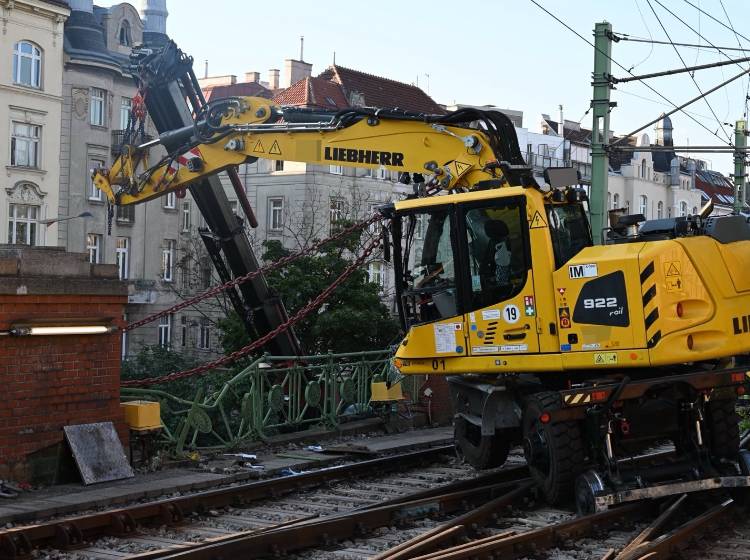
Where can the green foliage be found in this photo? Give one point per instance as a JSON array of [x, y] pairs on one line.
[[353, 319]]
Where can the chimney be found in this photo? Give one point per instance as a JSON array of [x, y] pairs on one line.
[[154, 15], [273, 78], [82, 6], [252, 77], [294, 71]]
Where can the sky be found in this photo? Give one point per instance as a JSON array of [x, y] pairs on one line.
[[507, 53]]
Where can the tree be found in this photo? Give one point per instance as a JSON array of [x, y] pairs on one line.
[[352, 320]]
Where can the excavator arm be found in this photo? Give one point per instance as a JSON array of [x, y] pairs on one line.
[[451, 154]]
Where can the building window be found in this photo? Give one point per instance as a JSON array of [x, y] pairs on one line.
[[126, 106], [275, 214], [204, 341], [165, 331], [643, 169], [206, 274], [375, 273], [94, 247], [94, 193], [336, 214], [609, 200], [126, 214], [627, 207], [170, 201], [660, 210], [125, 37], [644, 206], [27, 64], [167, 260], [98, 97], [615, 201], [337, 169], [24, 145], [683, 208], [186, 269], [22, 224], [184, 325], [695, 210], [122, 254], [185, 215], [278, 165]]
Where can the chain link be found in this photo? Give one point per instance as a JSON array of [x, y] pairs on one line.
[[251, 275], [296, 318]]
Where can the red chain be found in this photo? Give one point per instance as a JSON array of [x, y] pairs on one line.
[[242, 352], [250, 275]]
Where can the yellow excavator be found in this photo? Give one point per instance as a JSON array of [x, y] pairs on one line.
[[585, 354]]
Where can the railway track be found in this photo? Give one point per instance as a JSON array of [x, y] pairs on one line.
[[162, 527]]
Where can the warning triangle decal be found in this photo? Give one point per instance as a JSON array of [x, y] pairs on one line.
[[673, 270], [275, 150], [259, 147], [461, 167], [537, 221]]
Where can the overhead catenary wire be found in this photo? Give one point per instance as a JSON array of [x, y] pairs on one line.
[[691, 74], [654, 90], [651, 51], [739, 44], [634, 39]]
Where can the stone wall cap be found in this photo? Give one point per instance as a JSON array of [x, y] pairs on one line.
[[21, 261]]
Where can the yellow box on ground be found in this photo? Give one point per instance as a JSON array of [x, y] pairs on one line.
[[142, 415], [381, 393]]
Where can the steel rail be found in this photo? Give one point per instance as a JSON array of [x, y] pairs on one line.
[[73, 531]]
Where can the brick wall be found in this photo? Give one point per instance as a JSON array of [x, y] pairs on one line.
[[52, 381]]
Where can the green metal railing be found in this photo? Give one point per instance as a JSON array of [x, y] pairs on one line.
[[274, 394]]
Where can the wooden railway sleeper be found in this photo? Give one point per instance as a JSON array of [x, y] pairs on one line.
[[15, 546], [68, 536]]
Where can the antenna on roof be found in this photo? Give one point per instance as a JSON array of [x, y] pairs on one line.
[[205, 72], [334, 58], [301, 47]]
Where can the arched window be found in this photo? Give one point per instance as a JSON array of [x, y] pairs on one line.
[[643, 169], [125, 37], [627, 207], [660, 210], [695, 210], [27, 64], [644, 206], [615, 201], [683, 208], [609, 200]]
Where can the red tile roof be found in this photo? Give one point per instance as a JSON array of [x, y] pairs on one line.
[[380, 92], [716, 186], [253, 89], [312, 93]]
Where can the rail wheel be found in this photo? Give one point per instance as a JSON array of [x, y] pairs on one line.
[[587, 487], [554, 452], [481, 452]]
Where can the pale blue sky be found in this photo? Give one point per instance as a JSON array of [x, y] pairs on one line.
[[505, 52]]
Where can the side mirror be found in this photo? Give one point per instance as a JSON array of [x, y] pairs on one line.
[[386, 236]]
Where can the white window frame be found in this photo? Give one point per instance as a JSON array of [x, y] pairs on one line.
[[170, 201], [376, 273], [615, 201], [186, 215], [32, 229], [276, 214], [126, 106], [98, 107], [683, 208], [278, 165], [204, 338], [659, 210], [167, 260], [125, 214], [94, 193], [122, 257], [125, 35], [184, 330], [30, 139], [165, 331], [94, 247], [337, 210], [643, 199], [35, 62], [337, 169]]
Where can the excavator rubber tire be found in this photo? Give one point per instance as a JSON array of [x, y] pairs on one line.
[[723, 425], [481, 452], [565, 450]]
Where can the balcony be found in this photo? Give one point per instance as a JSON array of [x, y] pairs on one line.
[[540, 162], [118, 137]]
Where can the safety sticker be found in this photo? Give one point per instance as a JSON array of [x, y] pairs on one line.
[[591, 346], [672, 268], [259, 148], [589, 270], [473, 317], [561, 291], [445, 337], [674, 283], [490, 314], [537, 221], [605, 358], [673, 276], [275, 150], [461, 167], [528, 306], [485, 349], [564, 314]]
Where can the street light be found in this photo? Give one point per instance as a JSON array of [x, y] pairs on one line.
[[48, 222]]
